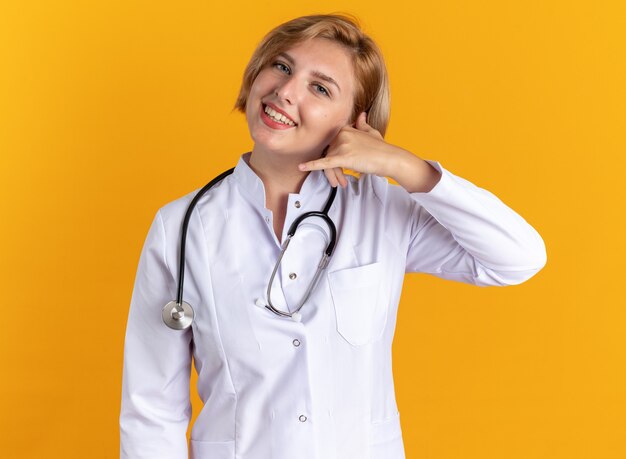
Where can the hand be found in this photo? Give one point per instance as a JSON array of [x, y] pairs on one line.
[[360, 148]]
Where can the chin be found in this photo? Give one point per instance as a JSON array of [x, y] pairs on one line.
[[278, 145]]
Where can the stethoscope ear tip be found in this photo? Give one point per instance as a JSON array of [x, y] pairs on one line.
[[260, 303]]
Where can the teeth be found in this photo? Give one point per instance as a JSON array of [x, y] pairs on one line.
[[278, 116]]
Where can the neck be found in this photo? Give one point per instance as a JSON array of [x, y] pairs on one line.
[[279, 174]]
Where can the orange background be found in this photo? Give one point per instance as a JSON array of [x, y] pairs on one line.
[[109, 110]]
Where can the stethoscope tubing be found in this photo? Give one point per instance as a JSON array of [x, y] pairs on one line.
[[192, 205], [323, 262], [179, 315]]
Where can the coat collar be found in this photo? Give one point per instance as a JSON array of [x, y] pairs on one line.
[[252, 186]]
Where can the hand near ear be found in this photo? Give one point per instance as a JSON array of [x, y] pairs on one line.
[[362, 149], [355, 147]]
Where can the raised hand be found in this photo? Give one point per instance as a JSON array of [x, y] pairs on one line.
[[362, 149]]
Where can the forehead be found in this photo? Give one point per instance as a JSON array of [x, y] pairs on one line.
[[320, 55]]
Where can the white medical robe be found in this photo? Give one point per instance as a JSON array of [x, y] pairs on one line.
[[274, 388]]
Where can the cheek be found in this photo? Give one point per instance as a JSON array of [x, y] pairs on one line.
[[332, 125], [254, 98], [258, 87], [332, 120], [335, 123], [250, 111]]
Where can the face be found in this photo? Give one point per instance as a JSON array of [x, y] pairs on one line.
[[301, 99]]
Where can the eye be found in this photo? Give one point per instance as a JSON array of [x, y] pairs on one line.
[[282, 67], [321, 89]]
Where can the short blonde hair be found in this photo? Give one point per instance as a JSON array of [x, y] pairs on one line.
[[372, 83]]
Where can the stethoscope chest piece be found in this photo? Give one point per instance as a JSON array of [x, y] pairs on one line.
[[177, 316]]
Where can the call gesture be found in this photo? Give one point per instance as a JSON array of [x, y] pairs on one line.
[[362, 149]]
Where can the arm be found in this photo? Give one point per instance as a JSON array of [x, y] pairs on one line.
[[465, 233], [155, 409], [458, 231]]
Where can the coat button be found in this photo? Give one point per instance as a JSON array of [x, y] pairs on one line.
[[302, 418], [292, 276], [296, 342], [297, 204]]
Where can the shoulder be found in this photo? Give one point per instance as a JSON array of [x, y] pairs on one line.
[[173, 212]]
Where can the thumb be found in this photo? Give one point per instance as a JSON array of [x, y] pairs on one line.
[[361, 123]]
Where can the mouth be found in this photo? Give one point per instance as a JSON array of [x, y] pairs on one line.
[[273, 114]]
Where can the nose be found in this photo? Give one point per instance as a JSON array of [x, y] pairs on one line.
[[287, 90]]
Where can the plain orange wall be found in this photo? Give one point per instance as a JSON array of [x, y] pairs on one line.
[[109, 110]]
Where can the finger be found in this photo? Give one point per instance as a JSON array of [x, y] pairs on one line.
[[330, 175], [338, 177], [318, 164], [361, 122], [341, 178], [361, 125], [358, 120]]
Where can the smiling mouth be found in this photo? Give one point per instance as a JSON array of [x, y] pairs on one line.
[[278, 117]]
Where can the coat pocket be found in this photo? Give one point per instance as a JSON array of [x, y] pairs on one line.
[[360, 313], [212, 450], [386, 440]]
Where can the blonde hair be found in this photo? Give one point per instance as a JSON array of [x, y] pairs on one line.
[[372, 83]]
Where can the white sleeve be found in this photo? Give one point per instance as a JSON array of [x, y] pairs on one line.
[[465, 233], [156, 407]]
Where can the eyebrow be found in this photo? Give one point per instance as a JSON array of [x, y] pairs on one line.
[[315, 73]]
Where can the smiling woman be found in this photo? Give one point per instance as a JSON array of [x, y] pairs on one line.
[[278, 382]]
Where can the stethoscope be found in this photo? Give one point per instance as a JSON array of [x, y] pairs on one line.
[[179, 315]]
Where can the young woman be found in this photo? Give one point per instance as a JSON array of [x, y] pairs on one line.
[[290, 365]]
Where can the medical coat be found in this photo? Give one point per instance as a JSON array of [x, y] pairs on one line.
[[274, 388]]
